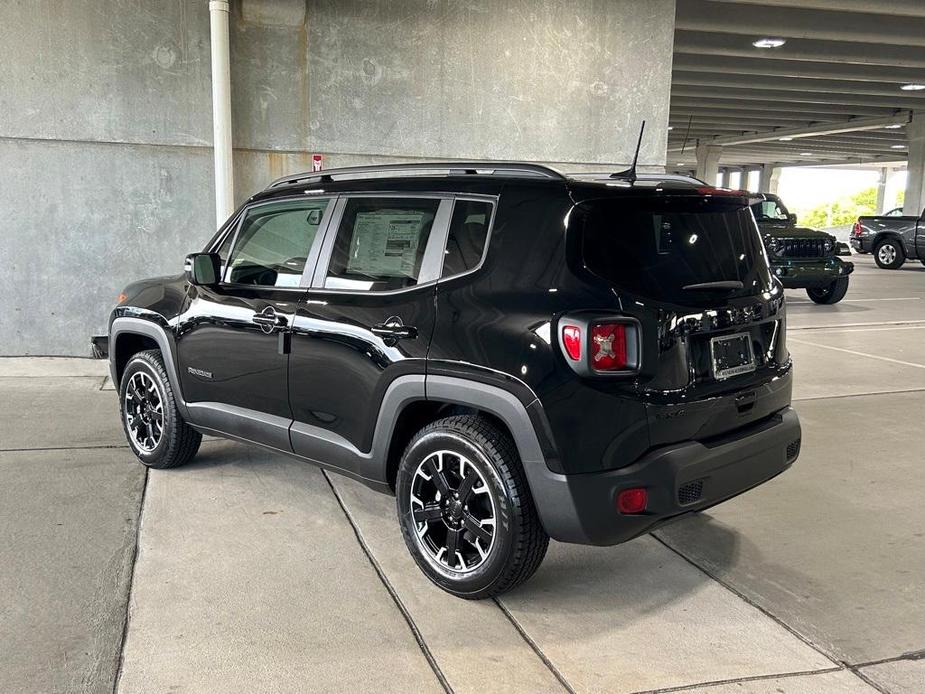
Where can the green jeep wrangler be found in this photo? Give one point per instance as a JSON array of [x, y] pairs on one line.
[[801, 258]]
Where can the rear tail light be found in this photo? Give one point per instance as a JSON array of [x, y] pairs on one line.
[[600, 345], [571, 340], [856, 229], [608, 347]]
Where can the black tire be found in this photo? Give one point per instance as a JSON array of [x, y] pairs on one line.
[[172, 441], [889, 254], [518, 542], [831, 293]]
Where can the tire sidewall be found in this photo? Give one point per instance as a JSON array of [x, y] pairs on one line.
[[140, 364], [482, 578], [897, 262]]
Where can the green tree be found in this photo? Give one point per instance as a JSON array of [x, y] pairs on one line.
[[843, 210]]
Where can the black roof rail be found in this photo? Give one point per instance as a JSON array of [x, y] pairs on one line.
[[448, 168]]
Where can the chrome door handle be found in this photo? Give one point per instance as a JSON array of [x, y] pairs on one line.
[[393, 330], [269, 320]]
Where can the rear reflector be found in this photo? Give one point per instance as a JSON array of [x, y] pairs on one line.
[[608, 347], [571, 339], [632, 500]]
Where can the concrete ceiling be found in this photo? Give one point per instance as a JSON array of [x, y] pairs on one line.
[[843, 63]]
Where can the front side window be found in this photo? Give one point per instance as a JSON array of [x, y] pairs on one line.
[[380, 243], [273, 243], [466, 239]]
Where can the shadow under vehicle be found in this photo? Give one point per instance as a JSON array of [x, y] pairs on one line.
[[800, 257]]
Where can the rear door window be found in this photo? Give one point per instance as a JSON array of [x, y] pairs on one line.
[[380, 243], [663, 248]]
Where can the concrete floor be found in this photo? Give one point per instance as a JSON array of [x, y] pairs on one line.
[[248, 572]]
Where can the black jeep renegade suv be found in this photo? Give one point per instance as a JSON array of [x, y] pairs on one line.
[[514, 353]]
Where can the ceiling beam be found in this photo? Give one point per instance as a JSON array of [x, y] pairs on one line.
[[786, 100], [770, 65], [853, 125], [683, 99], [818, 87], [904, 8], [806, 50], [761, 20]]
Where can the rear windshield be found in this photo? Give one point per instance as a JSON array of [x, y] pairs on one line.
[[661, 248]]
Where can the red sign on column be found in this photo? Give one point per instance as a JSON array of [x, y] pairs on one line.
[[317, 162]]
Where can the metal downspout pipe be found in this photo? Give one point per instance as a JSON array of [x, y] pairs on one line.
[[221, 110]]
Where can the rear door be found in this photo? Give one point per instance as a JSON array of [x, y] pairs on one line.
[[367, 319], [233, 339]]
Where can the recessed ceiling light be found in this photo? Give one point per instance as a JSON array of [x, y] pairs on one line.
[[897, 146], [671, 127], [895, 126], [913, 87], [768, 43], [785, 139], [806, 154]]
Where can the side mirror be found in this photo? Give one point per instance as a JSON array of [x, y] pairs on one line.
[[792, 218], [203, 269]]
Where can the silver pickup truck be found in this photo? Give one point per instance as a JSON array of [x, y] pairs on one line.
[[892, 239]]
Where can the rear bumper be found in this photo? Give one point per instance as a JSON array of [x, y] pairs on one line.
[[679, 478], [861, 244], [99, 346], [807, 275]]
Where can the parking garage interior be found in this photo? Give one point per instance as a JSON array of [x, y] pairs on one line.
[[124, 143]]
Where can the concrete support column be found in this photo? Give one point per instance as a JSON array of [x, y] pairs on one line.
[[915, 182], [769, 180], [708, 162], [881, 190], [221, 110]]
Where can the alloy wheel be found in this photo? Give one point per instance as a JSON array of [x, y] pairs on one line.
[[144, 412], [453, 512], [886, 254]]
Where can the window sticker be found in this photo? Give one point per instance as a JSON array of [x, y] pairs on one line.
[[385, 243]]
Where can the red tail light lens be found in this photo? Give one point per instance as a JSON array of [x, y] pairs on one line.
[[632, 500], [608, 347], [571, 339], [856, 230]]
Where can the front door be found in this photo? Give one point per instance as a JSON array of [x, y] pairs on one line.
[[233, 339], [368, 319]]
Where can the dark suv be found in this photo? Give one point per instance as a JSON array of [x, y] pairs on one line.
[[802, 258], [514, 353]]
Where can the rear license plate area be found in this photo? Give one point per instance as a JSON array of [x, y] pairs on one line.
[[732, 355]]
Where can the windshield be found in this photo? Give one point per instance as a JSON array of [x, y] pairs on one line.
[[692, 252], [769, 210]]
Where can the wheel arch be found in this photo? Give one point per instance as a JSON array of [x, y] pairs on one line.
[[129, 335], [891, 236]]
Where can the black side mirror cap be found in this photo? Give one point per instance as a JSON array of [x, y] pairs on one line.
[[792, 218], [203, 269]]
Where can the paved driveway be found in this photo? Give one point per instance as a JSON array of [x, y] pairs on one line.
[[249, 572]]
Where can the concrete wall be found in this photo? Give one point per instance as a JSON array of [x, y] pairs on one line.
[[105, 118]]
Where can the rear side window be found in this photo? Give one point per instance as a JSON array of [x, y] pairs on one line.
[[663, 248], [273, 243], [380, 243], [466, 240]]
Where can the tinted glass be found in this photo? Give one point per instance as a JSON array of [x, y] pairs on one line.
[[657, 249], [466, 240], [380, 243], [274, 241]]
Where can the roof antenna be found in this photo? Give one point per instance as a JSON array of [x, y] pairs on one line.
[[630, 173]]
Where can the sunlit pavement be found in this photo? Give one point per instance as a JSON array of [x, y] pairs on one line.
[[254, 573]]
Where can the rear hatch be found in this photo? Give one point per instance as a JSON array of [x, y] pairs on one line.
[[691, 267]]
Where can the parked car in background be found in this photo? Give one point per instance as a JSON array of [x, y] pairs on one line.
[[514, 353], [893, 239], [800, 257]]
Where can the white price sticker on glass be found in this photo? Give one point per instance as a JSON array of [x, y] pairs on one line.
[[385, 244]]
